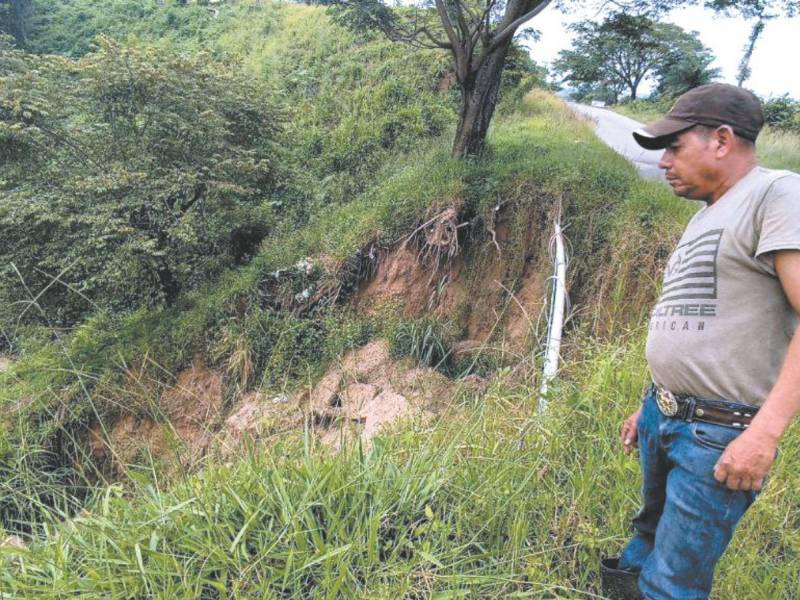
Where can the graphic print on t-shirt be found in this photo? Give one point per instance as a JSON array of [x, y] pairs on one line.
[[690, 285], [692, 270]]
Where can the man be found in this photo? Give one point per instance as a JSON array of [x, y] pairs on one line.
[[723, 347]]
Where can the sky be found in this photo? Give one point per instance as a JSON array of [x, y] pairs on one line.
[[774, 61]]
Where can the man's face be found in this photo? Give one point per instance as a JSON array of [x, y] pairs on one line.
[[689, 164]]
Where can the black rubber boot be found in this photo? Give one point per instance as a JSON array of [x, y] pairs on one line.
[[619, 584]]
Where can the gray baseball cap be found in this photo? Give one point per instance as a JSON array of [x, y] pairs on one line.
[[712, 105]]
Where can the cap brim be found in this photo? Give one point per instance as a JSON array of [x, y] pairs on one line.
[[661, 133]]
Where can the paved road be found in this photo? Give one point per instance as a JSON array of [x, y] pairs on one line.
[[615, 130]]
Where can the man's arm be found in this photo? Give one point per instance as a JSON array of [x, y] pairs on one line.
[[746, 460]]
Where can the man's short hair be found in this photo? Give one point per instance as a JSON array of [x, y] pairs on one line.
[[706, 131]]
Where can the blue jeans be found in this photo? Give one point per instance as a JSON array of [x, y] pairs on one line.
[[687, 518]]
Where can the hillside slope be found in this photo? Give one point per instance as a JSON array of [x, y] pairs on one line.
[[387, 271]]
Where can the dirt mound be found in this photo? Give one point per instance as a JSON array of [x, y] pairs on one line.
[[254, 419], [362, 394], [194, 403], [369, 390], [180, 431]]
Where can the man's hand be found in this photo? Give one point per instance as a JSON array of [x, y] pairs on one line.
[[629, 436], [745, 462]]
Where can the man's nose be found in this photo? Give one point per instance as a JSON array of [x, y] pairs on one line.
[[664, 161]]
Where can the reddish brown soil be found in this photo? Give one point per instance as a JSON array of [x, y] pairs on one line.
[[490, 310], [368, 391], [187, 414], [447, 82], [255, 419]]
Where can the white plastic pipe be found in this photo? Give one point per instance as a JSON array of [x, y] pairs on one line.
[[556, 320]]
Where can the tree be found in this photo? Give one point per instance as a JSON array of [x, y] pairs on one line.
[[12, 19], [624, 50], [477, 33], [760, 11], [687, 66], [782, 113]]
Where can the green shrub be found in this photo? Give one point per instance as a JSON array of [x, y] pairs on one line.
[[782, 113], [138, 175], [70, 27]]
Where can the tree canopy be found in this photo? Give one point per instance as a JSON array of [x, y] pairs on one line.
[[689, 66], [617, 55], [758, 11]]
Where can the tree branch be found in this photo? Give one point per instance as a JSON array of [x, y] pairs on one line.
[[466, 34], [455, 44], [512, 27], [413, 38], [446, 23], [483, 23]]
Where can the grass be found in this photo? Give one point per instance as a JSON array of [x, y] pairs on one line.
[[488, 501], [779, 149], [540, 158], [641, 110]]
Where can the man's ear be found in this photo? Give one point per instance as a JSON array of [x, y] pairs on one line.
[[725, 139]]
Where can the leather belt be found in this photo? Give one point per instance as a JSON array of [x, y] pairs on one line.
[[693, 408]]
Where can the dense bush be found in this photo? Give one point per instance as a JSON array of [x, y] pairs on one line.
[[783, 113], [69, 28], [127, 176]]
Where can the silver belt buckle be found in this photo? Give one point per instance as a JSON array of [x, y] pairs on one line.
[[667, 403]]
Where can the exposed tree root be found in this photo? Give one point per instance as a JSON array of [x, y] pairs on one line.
[[438, 239]]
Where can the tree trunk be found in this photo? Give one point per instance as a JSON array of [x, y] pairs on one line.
[[633, 86], [18, 10], [478, 101], [744, 66]]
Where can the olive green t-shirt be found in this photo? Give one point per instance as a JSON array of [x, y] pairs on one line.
[[723, 323]]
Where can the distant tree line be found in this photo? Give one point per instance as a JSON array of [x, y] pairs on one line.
[[758, 12], [612, 61]]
